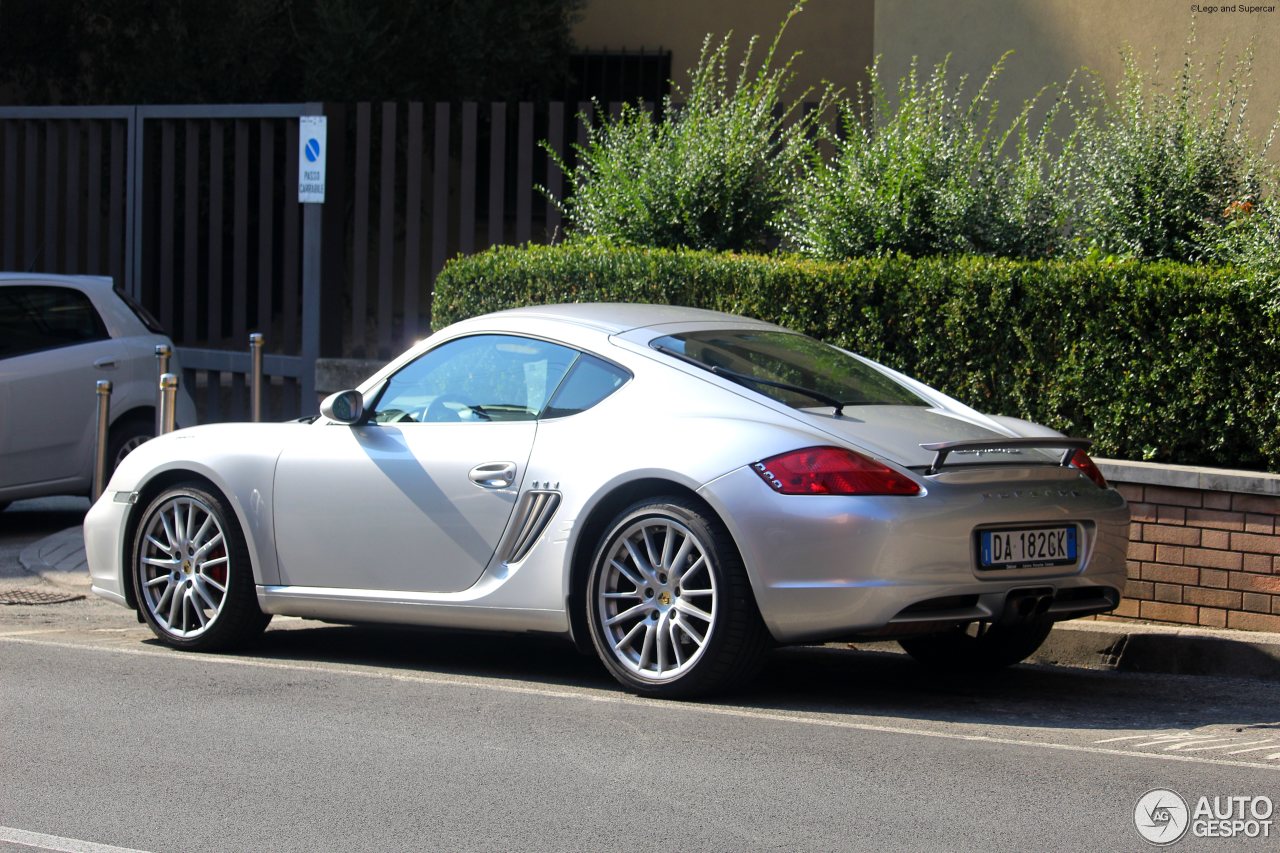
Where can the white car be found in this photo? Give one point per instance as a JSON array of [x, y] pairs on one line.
[[59, 334], [673, 488]]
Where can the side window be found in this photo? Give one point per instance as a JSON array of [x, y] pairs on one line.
[[477, 378], [42, 317], [590, 381]]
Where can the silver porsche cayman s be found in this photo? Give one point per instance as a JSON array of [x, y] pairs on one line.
[[675, 489]]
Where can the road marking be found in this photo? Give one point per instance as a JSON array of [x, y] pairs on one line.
[[57, 842], [478, 683], [1198, 745], [1269, 744], [1225, 745], [1190, 742], [1175, 739]]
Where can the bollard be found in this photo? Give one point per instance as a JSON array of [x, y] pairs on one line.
[[255, 377], [100, 448], [168, 400], [163, 352]]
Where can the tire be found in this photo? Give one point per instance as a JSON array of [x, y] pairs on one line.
[[656, 635], [125, 436], [978, 646], [191, 572]]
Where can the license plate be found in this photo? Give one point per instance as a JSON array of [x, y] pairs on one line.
[[1027, 549]]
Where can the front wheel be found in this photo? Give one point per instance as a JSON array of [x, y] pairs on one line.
[[669, 604], [979, 645], [191, 572]]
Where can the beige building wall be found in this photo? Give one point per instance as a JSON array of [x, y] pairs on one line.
[[1050, 38], [834, 35]]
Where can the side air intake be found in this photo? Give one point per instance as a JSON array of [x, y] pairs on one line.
[[530, 520]]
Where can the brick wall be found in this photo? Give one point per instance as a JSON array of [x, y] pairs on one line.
[[1204, 545]]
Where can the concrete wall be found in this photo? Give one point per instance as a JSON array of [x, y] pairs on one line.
[[1204, 545]]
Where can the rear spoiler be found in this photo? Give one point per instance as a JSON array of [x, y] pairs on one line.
[[944, 448]]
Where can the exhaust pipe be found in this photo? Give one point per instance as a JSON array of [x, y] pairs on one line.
[[1026, 605]]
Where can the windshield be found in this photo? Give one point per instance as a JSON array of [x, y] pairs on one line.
[[793, 369]]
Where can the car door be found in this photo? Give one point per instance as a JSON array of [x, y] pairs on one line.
[[417, 498], [53, 348]]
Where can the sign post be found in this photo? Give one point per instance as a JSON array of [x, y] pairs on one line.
[[312, 149]]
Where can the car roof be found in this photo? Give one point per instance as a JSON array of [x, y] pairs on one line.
[[81, 281], [617, 317]]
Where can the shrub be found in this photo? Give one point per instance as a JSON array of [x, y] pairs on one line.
[[929, 174], [711, 173], [1158, 361], [1250, 239], [1163, 167]]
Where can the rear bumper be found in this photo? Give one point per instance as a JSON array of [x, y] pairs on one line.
[[827, 567]]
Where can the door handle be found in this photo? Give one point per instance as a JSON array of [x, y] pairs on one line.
[[493, 475], [105, 363]]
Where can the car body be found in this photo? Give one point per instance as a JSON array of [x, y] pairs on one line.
[[652, 481], [59, 335]]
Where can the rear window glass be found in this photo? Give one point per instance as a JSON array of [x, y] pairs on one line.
[[791, 359], [42, 317], [144, 316], [590, 381]]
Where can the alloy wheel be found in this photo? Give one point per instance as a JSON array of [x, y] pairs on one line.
[[657, 600], [183, 567]]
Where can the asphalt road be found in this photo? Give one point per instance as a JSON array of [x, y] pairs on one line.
[[332, 737]]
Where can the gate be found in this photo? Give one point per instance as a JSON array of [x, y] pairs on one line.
[[191, 210]]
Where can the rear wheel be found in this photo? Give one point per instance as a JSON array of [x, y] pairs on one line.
[[192, 574], [126, 435], [979, 645], [669, 604]]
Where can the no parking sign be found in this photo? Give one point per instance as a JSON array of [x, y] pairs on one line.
[[311, 158]]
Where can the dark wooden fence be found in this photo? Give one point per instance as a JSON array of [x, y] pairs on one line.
[[193, 210], [63, 190], [420, 183]]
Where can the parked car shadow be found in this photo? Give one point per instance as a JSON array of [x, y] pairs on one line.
[[839, 682]]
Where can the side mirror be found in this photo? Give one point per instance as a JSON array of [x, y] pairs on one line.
[[345, 407]]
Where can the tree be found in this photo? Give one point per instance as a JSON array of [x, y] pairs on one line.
[[196, 51]]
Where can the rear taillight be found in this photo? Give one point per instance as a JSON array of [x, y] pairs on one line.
[[832, 471], [1081, 461]]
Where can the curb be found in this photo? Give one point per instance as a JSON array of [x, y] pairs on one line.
[[1165, 649]]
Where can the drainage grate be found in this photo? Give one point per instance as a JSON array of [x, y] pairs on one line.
[[31, 596]]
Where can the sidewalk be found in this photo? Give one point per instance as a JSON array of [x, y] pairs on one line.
[[59, 560], [1123, 646]]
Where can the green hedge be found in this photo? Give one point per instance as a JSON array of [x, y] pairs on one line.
[[1154, 361]]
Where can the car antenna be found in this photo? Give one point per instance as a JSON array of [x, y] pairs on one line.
[[36, 259]]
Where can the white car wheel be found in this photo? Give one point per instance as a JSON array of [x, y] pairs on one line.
[[670, 607], [191, 572]]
